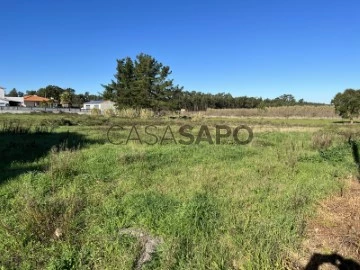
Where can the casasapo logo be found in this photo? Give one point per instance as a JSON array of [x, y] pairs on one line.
[[186, 134]]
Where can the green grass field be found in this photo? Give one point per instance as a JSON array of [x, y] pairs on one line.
[[66, 192]]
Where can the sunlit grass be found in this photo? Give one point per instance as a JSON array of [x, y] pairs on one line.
[[224, 206]]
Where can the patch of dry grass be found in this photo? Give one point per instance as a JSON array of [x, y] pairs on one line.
[[334, 229], [325, 111]]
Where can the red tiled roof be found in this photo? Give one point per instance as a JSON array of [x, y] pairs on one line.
[[35, 98]]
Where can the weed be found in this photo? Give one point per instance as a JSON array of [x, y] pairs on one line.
[[321, 140]]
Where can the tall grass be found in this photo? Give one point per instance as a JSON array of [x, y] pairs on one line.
[[17, 127], [135, 113], [284, 111]]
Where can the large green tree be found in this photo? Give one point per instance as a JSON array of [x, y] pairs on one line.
[[347, 104], [30, 92], [13, 93], [141, 83], [51, 91]]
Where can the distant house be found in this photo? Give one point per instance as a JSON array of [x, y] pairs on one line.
[[34, 100], [10, 101], [102, 105], [15, 101]]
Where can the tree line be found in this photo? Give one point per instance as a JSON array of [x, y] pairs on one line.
[[198, 101], [144, 83]]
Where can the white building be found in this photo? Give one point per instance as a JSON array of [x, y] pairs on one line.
[[10, 101], [2, 92], [102, 105]]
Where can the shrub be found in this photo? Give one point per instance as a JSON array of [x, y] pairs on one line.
[[109, 112], [197, 117], [127, 113], [321, 140], [95, 111], [146, 113], [135, 113]]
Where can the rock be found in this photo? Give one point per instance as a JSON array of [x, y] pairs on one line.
[[58, 233], [148, 244]]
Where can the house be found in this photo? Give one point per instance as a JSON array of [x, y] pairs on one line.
[[102, 105], [15, 101], [10, 101], [35, 101]]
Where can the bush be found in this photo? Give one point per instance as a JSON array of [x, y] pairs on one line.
[[146, 114], [321, 140], [197, 117], [109, 112], [95, 111], [135, 113], [127, 113]]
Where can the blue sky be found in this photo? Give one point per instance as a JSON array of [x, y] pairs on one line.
[[310, 49]]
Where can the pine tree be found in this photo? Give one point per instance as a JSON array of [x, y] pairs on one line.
[[142, 83], [13, 93]]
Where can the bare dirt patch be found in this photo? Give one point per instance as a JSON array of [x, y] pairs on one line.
[[333, 236]]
